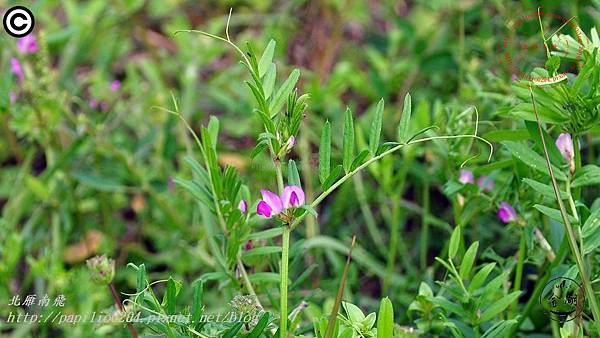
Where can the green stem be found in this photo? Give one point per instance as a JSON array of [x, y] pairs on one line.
[[569, 229], [519, 270], [285, 247]]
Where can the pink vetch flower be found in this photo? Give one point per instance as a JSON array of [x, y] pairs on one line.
[[466, 176], [248, 245], [13, 97], [293, 196], [243, 206], [485, 183], [27, 44], [16, 69], [93, 103], [564, 143], [272, 204], [507, 213], [115, 85]]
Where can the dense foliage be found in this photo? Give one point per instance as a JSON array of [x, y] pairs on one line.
[[301, 169]]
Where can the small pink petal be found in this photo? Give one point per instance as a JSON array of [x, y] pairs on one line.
[[272, 200], [115, 85], [16, 68], [485, 183], [507, 213], [564, 143], [27, 44], [243, 206], [263, 209], [466, 176]]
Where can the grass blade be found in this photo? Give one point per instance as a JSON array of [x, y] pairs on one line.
[[340, 293]]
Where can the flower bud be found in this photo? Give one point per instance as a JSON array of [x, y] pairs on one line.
[[102, 269]]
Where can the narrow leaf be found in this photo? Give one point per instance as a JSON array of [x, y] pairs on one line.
[[325, 153], [404, 120], [283, 92], [454, 243], [348, 143], [385, 319], [376, 128], [266, 59]]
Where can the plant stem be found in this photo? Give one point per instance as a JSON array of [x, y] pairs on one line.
[[117, 300], [519, 271], [569, 229], [577, 191], [285, 247]]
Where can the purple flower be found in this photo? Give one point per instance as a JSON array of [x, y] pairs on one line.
[[272, 204], [13, 97], [507, 213], [104, 106], [564, 143], [293, 196], [248, 246], [485, 183], [243, 206], [27, 44], [466, 176], [93, 103], [115, 85], [16, 68]]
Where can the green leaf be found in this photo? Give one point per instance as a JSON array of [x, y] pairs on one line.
[[233, 330], [359, 159], [269, 81], [141, 278], [532, 159], [266, 59], [213, 131], [293, 176], [468, 259], [197, 305], [264, 277], [553, 213], [498, 306], [454, 243], [590, 232], [552, 64], [348, 143], [325, 153], [355, 314], [385, 319], [404, 120], [587, 175], [500, 329], [332, 178], [262, 250], [283, 92], [265, 234], [260, 326], [544, 189], [170, 296], [376, 124], [480, 277]]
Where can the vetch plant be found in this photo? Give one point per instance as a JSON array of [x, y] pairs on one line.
[[280, 110]]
